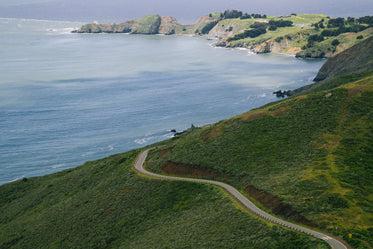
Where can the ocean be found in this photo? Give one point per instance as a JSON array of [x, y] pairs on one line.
[[69, 98]]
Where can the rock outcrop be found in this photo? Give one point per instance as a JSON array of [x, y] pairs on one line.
[[168, 25]]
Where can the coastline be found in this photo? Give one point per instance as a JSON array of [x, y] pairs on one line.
[[201, 56]]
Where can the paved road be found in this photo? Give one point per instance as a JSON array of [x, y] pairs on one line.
[[335, 244]]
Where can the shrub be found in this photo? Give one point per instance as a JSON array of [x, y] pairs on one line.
[[279, 39], [258, 25], [316, 38], [248, 33], [341, 30], [258, 16], [245, 16], [231, 14], [206, 29], [281, 23], [335, 42], [366, 20], [336, 22]]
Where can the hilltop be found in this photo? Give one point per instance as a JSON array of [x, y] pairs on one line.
[[303, 35]]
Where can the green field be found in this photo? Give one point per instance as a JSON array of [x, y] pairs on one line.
[[104, 204]]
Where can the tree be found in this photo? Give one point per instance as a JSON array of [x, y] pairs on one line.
[[351, 20], [366, 20], [206, 29], [231, 14], [336, 22], [335, 42]]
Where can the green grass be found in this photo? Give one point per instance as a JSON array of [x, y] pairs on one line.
[[313, 151], [346, 40], [105, 204], [296, 37], [306, 18], [286, 33], [147, 25]]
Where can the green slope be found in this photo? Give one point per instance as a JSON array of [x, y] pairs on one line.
[[307, 158], [344, 63], [104, 204]]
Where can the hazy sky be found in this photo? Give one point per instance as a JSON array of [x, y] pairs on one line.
[[186, 11]]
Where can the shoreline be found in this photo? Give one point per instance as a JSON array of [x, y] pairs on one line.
[[20, 177]]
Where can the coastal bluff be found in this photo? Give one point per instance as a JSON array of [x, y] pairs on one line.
[[302, 35], [152, 24]]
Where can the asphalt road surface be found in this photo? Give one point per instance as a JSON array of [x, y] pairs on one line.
[[335, 244]]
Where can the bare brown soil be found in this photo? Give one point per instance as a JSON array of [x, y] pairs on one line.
[[165, 151], [268, 200], [172, 168], [274, 203]]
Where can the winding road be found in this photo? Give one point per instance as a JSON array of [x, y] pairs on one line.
[[334, 243]]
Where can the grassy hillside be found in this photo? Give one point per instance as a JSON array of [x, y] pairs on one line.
[[104, 204], [309, 36], [344, 64], [307, 158]]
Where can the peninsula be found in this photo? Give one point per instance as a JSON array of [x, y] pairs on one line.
[[302, 35]]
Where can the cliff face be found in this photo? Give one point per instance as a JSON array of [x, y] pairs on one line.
[[353, 60], [272, 44], [283, 45], [226, 28], [169, 25]]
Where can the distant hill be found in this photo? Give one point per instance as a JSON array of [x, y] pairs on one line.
[[304, 35]]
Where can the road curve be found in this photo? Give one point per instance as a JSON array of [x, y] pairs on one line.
[[335, 244]]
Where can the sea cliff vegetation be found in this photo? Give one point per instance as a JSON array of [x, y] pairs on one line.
[[304, 35]]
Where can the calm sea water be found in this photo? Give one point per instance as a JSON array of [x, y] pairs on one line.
[[69, 98]]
